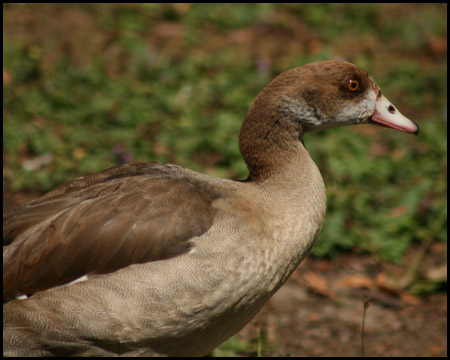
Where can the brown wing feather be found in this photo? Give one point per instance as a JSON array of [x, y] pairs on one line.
[[100, 223]]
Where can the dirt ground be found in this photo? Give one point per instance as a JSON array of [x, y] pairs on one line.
[[319, 311]]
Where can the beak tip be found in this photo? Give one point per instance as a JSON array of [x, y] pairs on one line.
[[418, 129]]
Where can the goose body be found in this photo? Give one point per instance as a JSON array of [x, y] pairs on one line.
[[153, 259]]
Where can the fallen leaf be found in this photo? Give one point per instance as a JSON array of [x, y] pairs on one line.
[[357, 281], [391, 283], [437, 273], [318, 284], [314, 317], [409, 298]]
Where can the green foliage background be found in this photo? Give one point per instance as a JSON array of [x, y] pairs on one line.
[[95, 85]]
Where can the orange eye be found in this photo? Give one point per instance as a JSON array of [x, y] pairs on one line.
[[353, 85]]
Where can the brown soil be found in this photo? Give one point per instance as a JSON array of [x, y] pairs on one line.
[[319, 312]]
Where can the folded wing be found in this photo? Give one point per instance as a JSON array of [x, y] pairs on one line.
[[100, 223]]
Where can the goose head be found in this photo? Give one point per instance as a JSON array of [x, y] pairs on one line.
[[313, 97]]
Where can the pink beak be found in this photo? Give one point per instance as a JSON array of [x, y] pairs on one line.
[[387, 115]]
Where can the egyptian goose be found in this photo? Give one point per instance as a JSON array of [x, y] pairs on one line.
[[154, 259]]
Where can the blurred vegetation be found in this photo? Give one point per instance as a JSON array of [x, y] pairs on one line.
[[88, 86]]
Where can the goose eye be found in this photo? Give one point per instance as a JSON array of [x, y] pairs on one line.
[[353, 85]]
